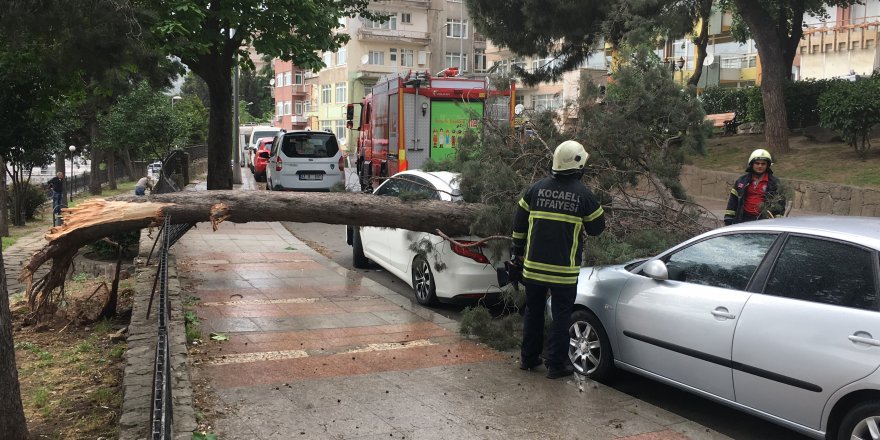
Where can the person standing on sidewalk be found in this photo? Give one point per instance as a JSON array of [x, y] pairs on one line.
[[56, 184], [547, 242], [755, 195]]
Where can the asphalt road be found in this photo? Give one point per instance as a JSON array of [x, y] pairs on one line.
[[329, 240]]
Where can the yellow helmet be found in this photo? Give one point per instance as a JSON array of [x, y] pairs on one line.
[[569, 156], [760, 154]]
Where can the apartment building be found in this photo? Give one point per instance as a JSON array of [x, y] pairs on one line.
[[291, 96], [844, 46]]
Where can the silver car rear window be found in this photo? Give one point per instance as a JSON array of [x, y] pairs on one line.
[[310, 145]]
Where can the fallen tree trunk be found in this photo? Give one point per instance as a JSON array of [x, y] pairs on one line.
[[96, 219]]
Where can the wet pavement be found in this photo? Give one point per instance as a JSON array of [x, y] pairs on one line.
[[316, 351]]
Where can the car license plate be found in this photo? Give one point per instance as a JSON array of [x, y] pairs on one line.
[[311, 176]]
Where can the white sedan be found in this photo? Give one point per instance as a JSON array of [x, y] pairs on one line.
[[440, 271]]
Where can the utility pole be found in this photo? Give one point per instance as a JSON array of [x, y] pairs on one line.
[[236, 163]]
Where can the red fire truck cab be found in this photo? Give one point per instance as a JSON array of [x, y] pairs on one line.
[[411, 117]]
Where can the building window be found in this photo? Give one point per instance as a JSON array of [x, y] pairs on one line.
[[327, 58], [286, 107], [307, 106], [339, 130], [326, 94], [406, 57], [455, 59], [298, 108], [479, 60], [406, 17], [279, 80], [456, 28], [279, 109], [298, 77], [368, 90], [376, 57], [341, 92], [518, 62], [501, 66], [341, 56], [327, 126], [391, 24], [546, 102], [392, 56], [288, 78]]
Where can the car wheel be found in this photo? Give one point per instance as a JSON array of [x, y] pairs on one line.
[[358, 259], [423, 282], [589, 349], [861, 422]]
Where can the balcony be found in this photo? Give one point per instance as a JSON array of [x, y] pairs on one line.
[[391, 35], [298, 119], [298, 90]]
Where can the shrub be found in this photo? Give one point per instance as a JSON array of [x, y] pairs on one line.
[[801, 102], [102, 249], [851, 109], [34, 197], [724, 100]]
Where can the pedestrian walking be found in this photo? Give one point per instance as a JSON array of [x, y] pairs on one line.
[[56, 185], [755, 195], [140, 188], [547, 242]]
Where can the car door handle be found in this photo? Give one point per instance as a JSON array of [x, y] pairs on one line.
[[722, 312], [864, 340]]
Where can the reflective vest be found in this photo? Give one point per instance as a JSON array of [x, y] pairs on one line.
[[547, 229]]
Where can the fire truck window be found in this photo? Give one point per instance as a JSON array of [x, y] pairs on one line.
[[311, 145]]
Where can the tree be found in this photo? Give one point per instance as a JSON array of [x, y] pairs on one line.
[[569, 31], [145, 123], [777, 28], [13, 425], [255, 94], [210, 37]]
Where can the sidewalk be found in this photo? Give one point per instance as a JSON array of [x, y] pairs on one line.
[[319, 352]]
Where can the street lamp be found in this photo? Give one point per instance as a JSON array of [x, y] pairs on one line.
[[174, 98], [72, 149]]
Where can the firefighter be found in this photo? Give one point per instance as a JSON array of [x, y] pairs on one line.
[[755, 195], [547, 242]]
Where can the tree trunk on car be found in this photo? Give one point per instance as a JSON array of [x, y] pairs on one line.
[[98, 218]]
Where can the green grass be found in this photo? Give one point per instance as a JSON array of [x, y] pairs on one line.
[[41, 397]]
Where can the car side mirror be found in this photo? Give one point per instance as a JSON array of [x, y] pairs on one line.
[[263, 154], [656, 269]]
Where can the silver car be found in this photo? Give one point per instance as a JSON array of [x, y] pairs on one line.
[[778, 318]]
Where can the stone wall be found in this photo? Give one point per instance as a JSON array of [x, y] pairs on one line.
[[809, 197], [140, 355]]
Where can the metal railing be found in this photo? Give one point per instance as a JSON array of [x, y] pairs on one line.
[[162, 406]]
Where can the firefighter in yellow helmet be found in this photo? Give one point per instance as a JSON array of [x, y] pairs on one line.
[[547, 241], [755, 195]]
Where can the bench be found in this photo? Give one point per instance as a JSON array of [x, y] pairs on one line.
[[718, 119], [727, 121]]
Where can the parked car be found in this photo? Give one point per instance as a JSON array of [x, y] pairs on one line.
[[778, 318], [155, 167], [304, 160], [467, 272], [265, 145], [257, 133]]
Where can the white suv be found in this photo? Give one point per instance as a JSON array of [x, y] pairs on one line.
[[304, 160]]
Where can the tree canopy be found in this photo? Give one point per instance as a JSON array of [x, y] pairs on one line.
[[569, 31], [210, 37]]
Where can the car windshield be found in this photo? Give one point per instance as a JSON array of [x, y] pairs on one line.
[[312, 145]]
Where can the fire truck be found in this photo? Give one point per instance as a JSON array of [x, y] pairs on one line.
[[411, 117]]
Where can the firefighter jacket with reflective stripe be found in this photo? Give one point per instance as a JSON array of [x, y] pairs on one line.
[[547, 229], [774, 202]]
